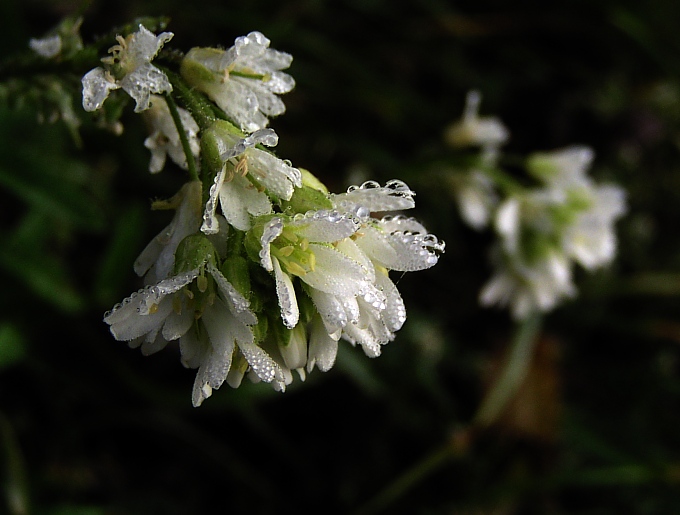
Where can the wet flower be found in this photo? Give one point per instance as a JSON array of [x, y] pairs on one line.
[[129, 67], [198, 307], [248, 179], [164, 139], [243, 80]]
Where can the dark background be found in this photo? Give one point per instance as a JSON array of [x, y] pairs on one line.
[[89, 426]]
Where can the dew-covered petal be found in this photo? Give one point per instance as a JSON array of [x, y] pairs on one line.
[[323, 348], [261, 363], [272, 230], [97, 84], [394, 196], [276, 175], [335, 273], [144, 81], [210, 222], [290, 312], [333, 312], [394, 314], [324, 226], [237, 303], [240, 200]]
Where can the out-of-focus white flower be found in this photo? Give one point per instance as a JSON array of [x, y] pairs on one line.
[[46, 47], [164, 138], [63, 40], [210, 318], [129, 67], [249, 177], [472, 130], [529, 288], [591, 238], [543, 231], [564, 168], [476, 197], [158, 257], [243, 80]]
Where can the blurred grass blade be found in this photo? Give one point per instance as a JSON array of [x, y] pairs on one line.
[[16, 483]]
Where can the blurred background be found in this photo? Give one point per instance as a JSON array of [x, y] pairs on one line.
[[89, 426]]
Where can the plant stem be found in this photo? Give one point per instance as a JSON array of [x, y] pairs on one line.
[[513, 374], [496, 400], [191, 162]]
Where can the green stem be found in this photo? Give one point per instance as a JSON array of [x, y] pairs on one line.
[[174, 112], [197, 105], [513, 375], [407, 481]]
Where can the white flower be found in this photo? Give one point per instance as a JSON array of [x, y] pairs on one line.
[[591, 238], [562, 168], [372, 315], [158, 257], [210, 318], [164, 139], [529, 288], [487, 132], [46, 47], [128, 68], [476, 197], [544, 231], [247, 180], [244, 80], [300, 247]]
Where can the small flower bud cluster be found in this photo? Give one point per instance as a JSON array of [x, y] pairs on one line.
[[261, 271], [545, 222]]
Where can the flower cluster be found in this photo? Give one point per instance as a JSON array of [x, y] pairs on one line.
[[555, 217], [261, 271]]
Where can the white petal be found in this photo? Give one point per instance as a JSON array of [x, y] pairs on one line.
[[239, 200], [290, 312], [322, 347], [97, 84], [335, 273], [394, 196], [271, 231], [261, 363], [325, 226], [237, 303], [210, 223]]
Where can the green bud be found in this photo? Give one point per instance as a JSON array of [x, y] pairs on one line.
[[235, 269], [211, 150], [306, 199], [193, 252], [310, 180], [193, 71]]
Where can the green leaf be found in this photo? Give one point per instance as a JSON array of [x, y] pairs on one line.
[[12, 345]]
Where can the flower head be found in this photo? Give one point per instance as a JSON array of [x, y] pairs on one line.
[[129, 67], [243, 80]]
